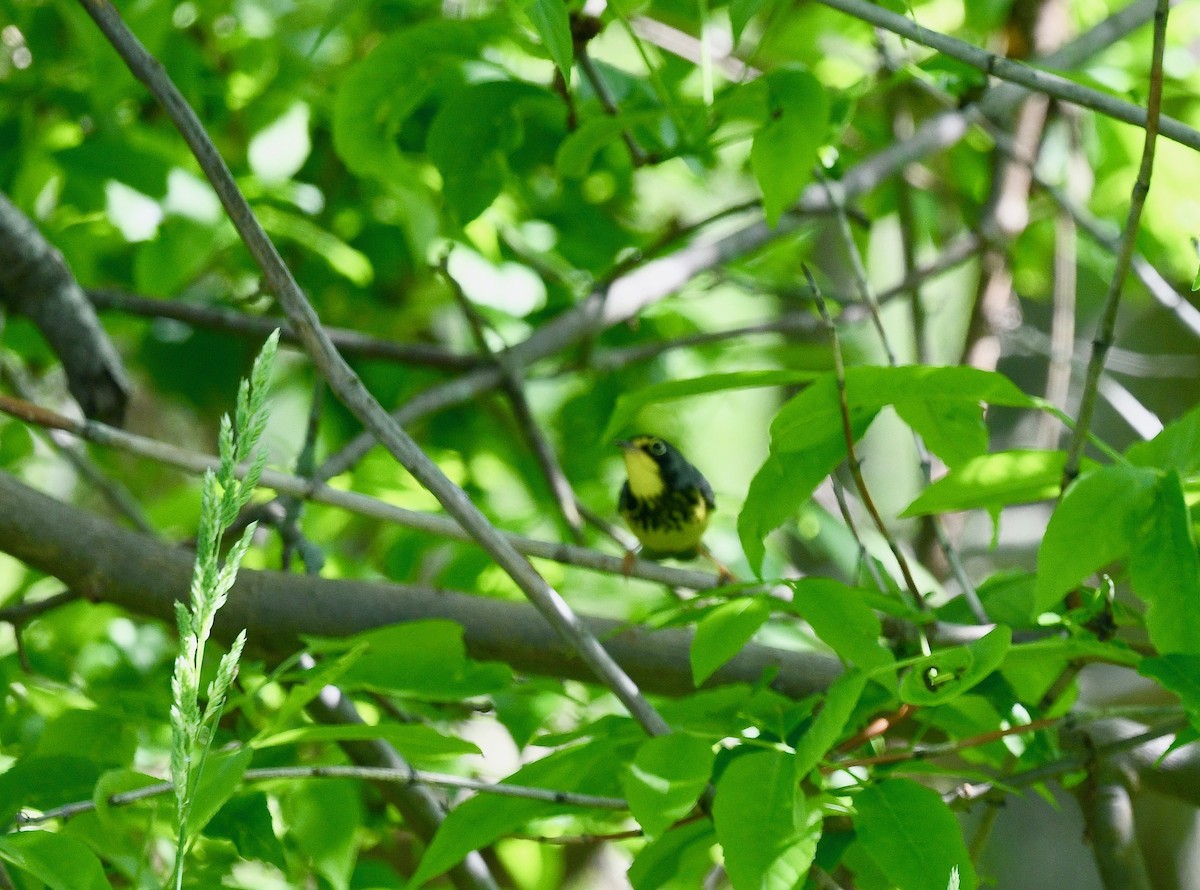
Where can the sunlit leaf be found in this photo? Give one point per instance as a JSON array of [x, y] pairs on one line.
[[912, 836], [765, 827]]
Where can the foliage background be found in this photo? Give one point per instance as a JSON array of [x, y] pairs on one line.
[[375, 140]]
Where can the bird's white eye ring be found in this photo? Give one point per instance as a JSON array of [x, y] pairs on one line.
[[658, 448]]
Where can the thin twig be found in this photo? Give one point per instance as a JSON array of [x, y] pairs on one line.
[[21, 612], [242, 324], [514, 388], [371, 773], [1112, 300], [868, 561], [852, 456], [587, 66], [111, 490], [1034, 79], [924, 457], [969, 792]]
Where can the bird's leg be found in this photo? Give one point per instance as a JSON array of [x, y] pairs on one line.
[[628, 560], [723, 574]]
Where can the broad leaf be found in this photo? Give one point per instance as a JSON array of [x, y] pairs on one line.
[[723, 632], [842, 619], [954, 431], [666, 778], [808, 440], [949, 673], [591, 768], [553, 25], [786, 480], [1166, 571], [219, 779], [1094, 525], [912, 836], [323, 817], [630, 403], [423, 659], [58, 861], [830, 721], [44, 782], [763, 823], [785, 149], [379, 93], [473, 134], [1176, 447], [993, 481], [415, 741], [1179, 674], [680, 858], [740, 13]]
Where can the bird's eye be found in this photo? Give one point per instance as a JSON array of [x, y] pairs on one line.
[[658, 448]]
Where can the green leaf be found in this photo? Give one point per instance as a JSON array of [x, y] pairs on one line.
[[413, 740], [842, 619], [766, 830], [1179, 674], [666, 778], [830, 721], [800, 458], [143, 167], [176, 255], [575, 154], [45, 782], [553, 25], [220, 778], [785, 149], [421, 659], [591, 768], [993, 481], [1165, 571], [1196, 281], [1094, 525], [379, 93], [1176, 447], [246, 821], [723, 632], [322, 818], [949, 673], [912, 836], [57, 860], [115, 820], [740, 13], [680, 858], [473, 134], [807, 440], [954, 431], [106, 736], [630, 403], [351, 264], [810, 415]]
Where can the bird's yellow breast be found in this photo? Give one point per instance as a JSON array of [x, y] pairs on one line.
[[645, 477]]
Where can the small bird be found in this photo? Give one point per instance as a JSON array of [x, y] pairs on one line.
[[666, 501]]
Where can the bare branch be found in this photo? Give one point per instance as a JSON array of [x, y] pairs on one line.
[[105, 563], [35, 282], [1112, 300]]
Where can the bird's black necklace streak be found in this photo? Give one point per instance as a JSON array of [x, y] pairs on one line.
[[670, 511]]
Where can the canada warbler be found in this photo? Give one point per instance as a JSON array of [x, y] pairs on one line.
[[666, 501]]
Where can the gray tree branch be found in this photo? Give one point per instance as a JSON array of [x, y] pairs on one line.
[[35, 282]]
